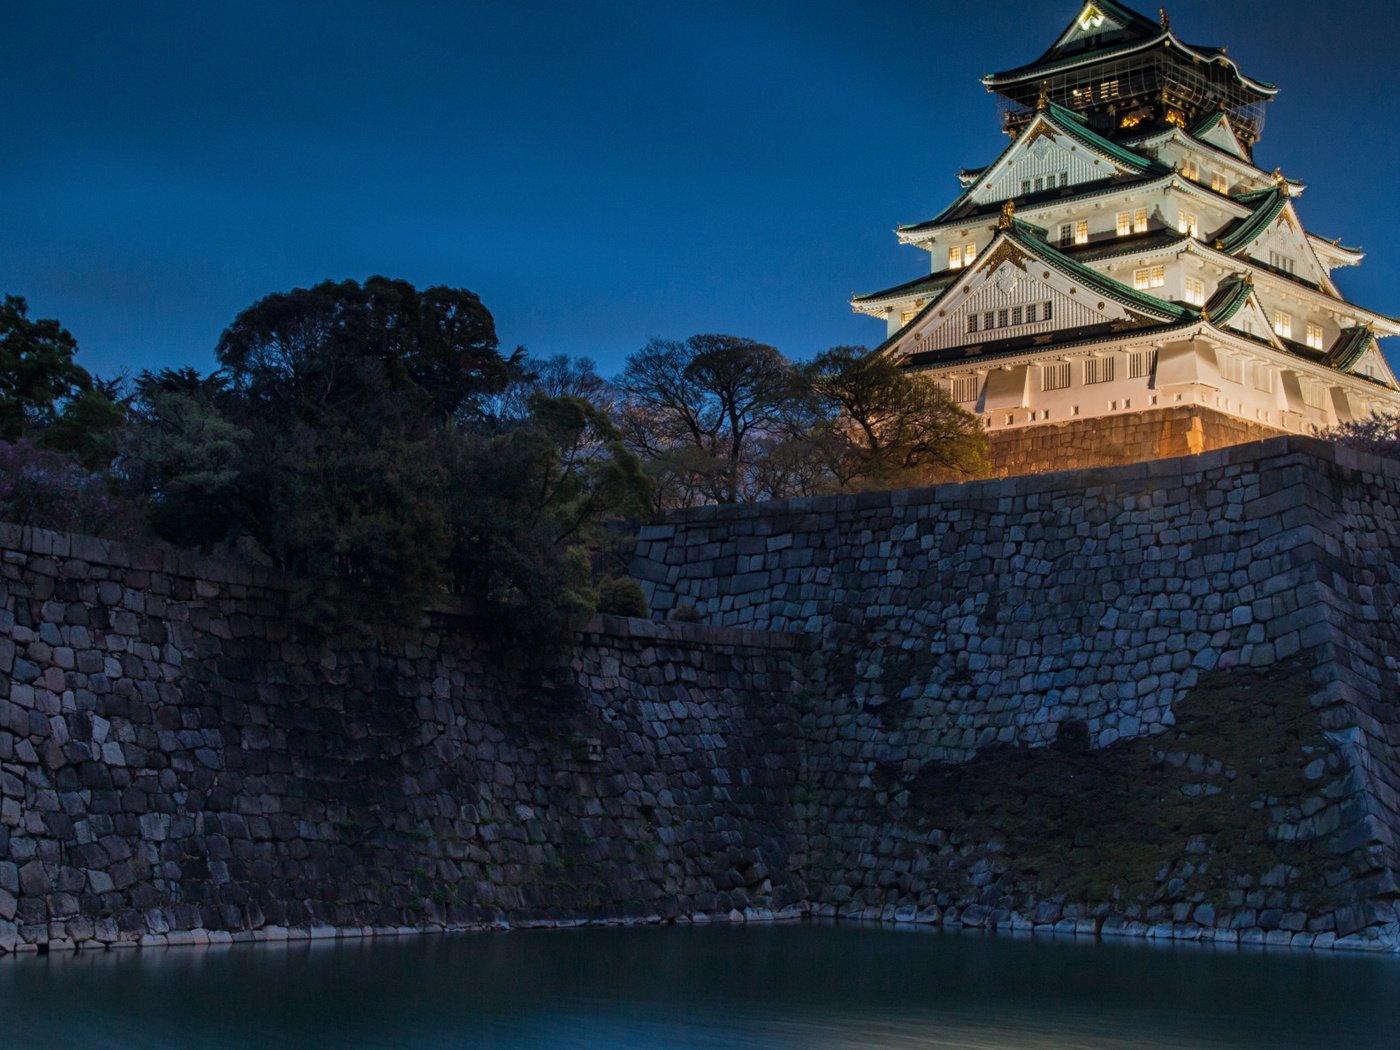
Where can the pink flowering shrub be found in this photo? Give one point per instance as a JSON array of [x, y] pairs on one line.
[[1379, 434], [53, 491]]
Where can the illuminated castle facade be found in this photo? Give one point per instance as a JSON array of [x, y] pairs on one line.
[[1124, 281]]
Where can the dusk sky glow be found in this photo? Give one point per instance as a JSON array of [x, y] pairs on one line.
[[598, 172]]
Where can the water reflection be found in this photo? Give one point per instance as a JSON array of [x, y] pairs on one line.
[[753, 987]]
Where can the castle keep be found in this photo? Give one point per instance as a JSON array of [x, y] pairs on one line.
[[1125, 281]]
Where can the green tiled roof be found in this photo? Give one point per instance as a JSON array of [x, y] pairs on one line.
[[1229, 299], [1049, 64], [1073, 125], [1350, 347], [935, 282], [1101, 283], [1267, 203]]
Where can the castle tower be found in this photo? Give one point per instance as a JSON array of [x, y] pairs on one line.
[[1124, 282]]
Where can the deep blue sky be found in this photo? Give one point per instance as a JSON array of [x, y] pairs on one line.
[[599, 172]]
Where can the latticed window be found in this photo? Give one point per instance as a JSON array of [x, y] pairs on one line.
[[1140, 221], [1283, 324], [1141, 363], [1054, 377], [1231, 367], [1149, 277], [969, 252], [1218, 182], [1081, 232], [1280, 262], [955, 257], [1098, 370], [1066, 235], [1125, 223], [965, 390], [1195, 291], [971, 323], [1186, 223], [1191, 170], [1314, 336]]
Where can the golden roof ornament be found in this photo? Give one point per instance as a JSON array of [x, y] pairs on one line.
[[1278, 176], [1166, 18], [1008, 215], [1042, 102]]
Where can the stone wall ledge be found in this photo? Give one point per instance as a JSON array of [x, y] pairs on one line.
[[1262, 456]]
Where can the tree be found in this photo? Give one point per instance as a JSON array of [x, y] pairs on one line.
[[885, 427], [526, 506], [323, 439], [37, 371], [701, 411]]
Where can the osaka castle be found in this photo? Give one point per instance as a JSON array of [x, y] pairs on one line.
[[1126, 281]]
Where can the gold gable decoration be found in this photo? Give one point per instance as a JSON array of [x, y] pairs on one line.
[[1005, 252]]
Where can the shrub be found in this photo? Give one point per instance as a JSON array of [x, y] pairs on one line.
[[1378, 433], [53, 491], [622, 596]]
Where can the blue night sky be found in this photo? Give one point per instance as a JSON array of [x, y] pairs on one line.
[[598, 172]]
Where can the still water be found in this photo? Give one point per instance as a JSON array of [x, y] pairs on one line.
[[795, 987]]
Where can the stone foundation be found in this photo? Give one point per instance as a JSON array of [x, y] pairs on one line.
[[1110, 441]]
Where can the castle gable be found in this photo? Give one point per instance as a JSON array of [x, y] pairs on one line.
[[1215, 131], [1024, 290]]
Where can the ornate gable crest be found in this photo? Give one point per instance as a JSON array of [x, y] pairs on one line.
[[1005, 252]]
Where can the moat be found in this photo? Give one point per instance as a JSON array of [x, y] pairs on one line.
[[775, 986]]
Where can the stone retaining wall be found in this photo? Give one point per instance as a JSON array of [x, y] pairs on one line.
[[1108, 441], [176, 763], [1156, 699]]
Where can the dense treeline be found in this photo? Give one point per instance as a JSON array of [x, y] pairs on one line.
[[373, 440]]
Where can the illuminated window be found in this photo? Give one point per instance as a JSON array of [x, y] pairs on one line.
[[965, 389], [906, 317], [1054, 377], [1125, 223], [1066, 235], [1218, 182], [1140, 221], [1149, 277], [969, 253], [955, 258], [1314, 336], [1195, 292], [1141, 363], [1283, 324], [1098, 370], [1186, 223], [1191, 170], [1081, 232]]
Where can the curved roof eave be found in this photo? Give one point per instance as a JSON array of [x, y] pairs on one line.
[[1038, 70]]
